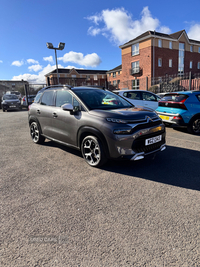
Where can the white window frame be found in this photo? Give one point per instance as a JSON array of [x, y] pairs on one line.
[[160, 62], [114, 74], [135, 49], [135, 66], [170, 44], [190, 64], [95, 78], [191, 48], [170, 63], [159, 42]]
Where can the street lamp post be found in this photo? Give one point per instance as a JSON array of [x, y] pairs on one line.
[[60, 47]]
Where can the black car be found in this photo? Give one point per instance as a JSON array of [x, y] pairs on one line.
[[10, 102], [81, 118]]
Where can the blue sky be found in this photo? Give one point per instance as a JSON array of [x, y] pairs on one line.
[[91, 30]]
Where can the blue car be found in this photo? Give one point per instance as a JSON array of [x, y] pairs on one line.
[[181, 109]]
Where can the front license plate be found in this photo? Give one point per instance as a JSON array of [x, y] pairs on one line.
[[165, 118], [12, 106], [153, 140]]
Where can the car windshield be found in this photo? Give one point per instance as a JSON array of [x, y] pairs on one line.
[[8, 97], [101, 99], [174, 97]]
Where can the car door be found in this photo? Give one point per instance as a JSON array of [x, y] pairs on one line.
[[44, 112], [134, 97], [65, 123], [150, 100]]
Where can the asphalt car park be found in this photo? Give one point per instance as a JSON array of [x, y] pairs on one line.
[[58, 211]]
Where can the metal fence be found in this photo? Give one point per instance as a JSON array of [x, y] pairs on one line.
[[167, 83]]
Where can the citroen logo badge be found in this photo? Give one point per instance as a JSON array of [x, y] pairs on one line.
[[148, 119]]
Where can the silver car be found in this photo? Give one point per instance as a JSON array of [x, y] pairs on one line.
[[140, 98], [79, 117]]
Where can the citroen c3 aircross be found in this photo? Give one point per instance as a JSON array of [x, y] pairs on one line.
[[83, 118]]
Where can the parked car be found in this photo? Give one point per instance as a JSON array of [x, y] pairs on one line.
[[10, 102], [181, 109], [140, 98], [77, 117], [18, 94], [30, 100]]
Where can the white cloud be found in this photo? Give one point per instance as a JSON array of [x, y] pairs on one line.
[[1, 61], [91, 60], [119, 27], [50, 59], [32, 61], [17, 63], [40, 78], [194, 32], [35, 67]]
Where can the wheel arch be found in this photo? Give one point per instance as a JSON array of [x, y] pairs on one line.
[[194, 116], [34, 119], [88, 130]]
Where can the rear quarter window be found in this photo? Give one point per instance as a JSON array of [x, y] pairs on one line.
[[198, 97], [37, 98]]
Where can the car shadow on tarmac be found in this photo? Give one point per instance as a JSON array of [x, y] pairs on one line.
[[174, 166]]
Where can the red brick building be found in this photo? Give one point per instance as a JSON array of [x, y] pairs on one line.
[[77, 77], [152, 55]]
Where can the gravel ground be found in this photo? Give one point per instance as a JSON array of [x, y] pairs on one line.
[[58, 211]]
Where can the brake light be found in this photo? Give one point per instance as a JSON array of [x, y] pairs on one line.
[[177, 118]]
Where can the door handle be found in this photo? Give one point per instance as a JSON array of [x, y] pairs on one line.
[[38, 111], [55, 115]]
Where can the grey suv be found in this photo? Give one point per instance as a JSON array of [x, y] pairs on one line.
[[98, 122]]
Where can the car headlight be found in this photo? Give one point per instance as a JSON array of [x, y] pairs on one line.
[[116, 120], [122, 131]]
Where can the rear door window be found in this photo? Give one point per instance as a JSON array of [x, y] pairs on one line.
[[48, 98]]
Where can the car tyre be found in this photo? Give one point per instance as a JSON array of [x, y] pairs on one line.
[[93, 152], [194, 126], [3, 110], [36, 134]]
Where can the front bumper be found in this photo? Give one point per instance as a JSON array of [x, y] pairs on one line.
[[14, 106], [134, 147]]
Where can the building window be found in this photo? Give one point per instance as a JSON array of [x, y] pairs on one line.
[[135, 84], [135, 49], [170, 63], [199, 49], [95, 78], [102, 76], [114, 83], [135, 67], [160, 62], [114, 74], [191, 48], [198, 66], [73, 76], [109, 74], [170, 45], [159, 43], [118, 72], [190, 64], [181, 58]]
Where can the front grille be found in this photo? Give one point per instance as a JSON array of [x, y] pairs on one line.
[[139, 144]]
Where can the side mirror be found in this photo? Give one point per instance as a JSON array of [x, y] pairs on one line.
[[67, 107], [70, 108]]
